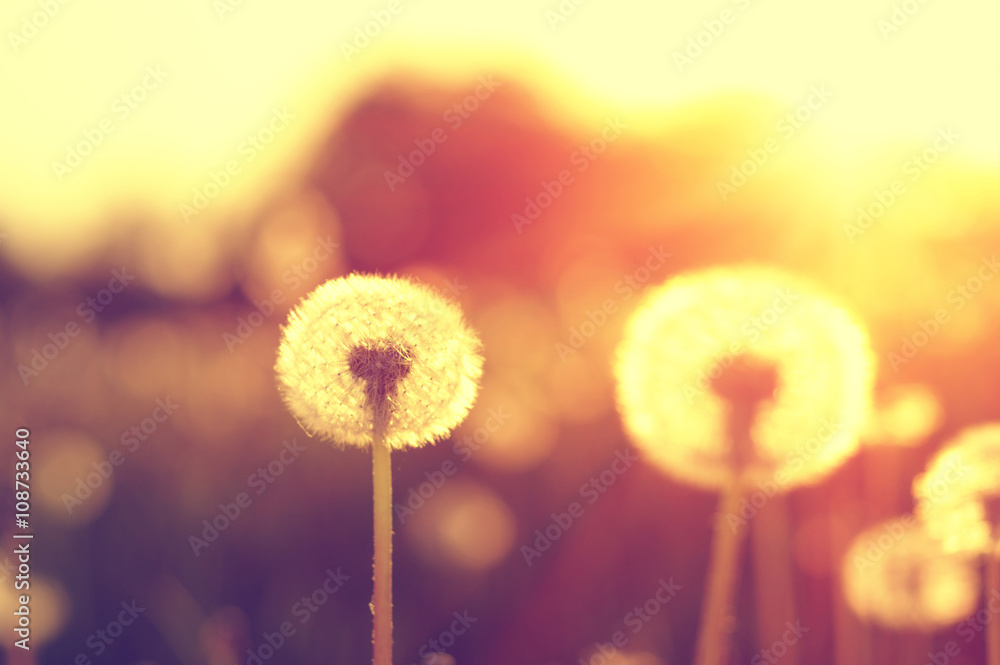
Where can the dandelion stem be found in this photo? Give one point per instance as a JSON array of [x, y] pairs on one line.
[[382, 597], [993, 588], [744, 385], [723, 569], [774, 590]]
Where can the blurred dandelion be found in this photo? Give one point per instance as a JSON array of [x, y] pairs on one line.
[[467, 527], [735, 375], [689, 331], [902, 578], [71, 490], [50, 608], [906, 415], [380, 361], [958, 497]]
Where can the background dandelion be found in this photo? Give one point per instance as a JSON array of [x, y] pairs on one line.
[[689, 331], [958, 497], [48, 613], [897, 575], [905, 416], [733, 376]]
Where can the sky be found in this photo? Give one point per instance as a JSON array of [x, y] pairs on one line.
[[117, 109]]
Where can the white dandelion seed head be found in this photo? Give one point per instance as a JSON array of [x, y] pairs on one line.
[[687, 332], [363, 342]]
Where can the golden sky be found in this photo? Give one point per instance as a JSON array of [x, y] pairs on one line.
[[161, 96]]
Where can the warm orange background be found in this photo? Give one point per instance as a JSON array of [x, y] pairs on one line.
[[296, 133]]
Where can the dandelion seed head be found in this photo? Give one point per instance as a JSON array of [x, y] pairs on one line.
[[958, 493], [690, 331], [906, 580], [363, 342]]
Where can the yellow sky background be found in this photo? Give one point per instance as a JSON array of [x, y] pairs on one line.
[[227, 67]]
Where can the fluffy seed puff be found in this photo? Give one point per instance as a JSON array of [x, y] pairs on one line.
[[958, 496], [687, 332], [362, 343], [897, 575]]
